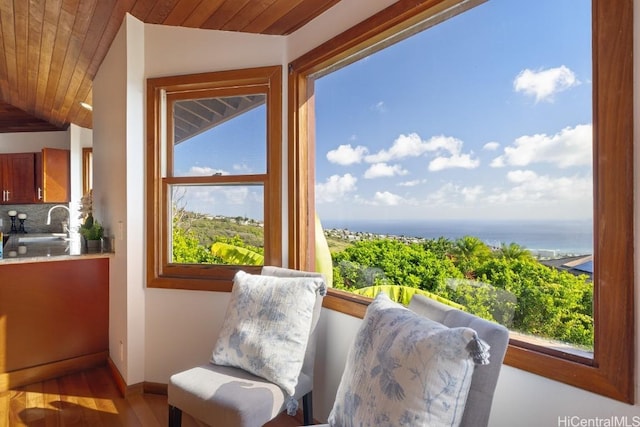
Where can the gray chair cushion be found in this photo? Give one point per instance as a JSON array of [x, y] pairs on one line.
[[225, 396], [485, 377]]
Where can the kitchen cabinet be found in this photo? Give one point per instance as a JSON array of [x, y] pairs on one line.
[[53, 175], [53, 316], [17, 178]]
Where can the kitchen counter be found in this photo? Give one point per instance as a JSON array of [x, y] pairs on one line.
[[21, 248]]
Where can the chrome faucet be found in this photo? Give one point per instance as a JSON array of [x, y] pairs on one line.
[[64, 226]]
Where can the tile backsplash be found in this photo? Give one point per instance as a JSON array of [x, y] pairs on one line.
[[36, 221]]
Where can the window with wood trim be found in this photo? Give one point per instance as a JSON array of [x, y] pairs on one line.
[[214, 176], [610, 369]]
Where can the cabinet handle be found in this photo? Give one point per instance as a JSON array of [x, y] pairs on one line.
[[8, 195], [39, 193]]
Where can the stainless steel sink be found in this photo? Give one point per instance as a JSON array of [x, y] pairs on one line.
[[43, 238]]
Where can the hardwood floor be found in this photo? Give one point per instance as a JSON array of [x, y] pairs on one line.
[[90, 398]]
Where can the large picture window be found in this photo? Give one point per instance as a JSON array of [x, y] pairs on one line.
[[592, 307], [214, 176]]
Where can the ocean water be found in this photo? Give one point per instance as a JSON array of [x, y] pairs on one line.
[[563, 237]]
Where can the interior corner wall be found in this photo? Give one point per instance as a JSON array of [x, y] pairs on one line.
[[181, 326], [110, 186], [133, 222]]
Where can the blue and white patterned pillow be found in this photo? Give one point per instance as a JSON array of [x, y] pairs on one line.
[[404, 370], [266, 326]]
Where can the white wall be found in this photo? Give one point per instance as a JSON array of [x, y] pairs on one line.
[[179, 327], [32, 142], [118, 153]]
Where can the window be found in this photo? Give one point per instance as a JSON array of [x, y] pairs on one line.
[[214, 176], [610, 370]]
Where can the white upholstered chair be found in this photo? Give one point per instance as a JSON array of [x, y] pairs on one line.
[[227, 396], [485, 376]]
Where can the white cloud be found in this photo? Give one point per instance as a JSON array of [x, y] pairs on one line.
[[335, 188], [242, 168], [347, 155], [445, 195], [455, 161], [544, 84], [491, 146], [498, 162], [379, 170], [530, 187], [205, 171], [447, 148], [471, 194], [569, 147], [236, 195], [412, 183], [521, 176], [388, 199], [380, 107], [404, 146]]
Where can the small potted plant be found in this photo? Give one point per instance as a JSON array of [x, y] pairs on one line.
[[92, 233], [90, 230]]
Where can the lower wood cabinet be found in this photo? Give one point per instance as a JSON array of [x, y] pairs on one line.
[[52, 312]]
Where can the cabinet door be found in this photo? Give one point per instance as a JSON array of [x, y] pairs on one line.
[[56, 176], [18, 178]]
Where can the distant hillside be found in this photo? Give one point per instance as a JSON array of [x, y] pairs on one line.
[[207, 228]]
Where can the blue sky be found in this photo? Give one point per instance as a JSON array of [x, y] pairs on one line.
[[485, 116]]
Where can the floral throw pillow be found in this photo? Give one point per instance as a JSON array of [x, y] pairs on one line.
[[266, 326], [404, 370]]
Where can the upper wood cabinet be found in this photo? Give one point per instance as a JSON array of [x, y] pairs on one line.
[[53, 175], [17, 178]]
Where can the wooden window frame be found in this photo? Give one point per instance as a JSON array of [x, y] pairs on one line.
[[262, 80], [87, 170], [611, 370]]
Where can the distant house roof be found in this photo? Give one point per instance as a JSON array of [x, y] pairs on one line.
[[576, 265]]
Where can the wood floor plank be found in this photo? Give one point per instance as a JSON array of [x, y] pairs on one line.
[[50, 397], [4, 408], [107, 399], [143, 411], [17, 404], [91, 399], [35, 413], [71, 414]]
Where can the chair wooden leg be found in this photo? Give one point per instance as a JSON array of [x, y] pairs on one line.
[[307, 409], [175, 416]]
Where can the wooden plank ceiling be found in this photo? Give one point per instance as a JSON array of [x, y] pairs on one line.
[[52, 49]]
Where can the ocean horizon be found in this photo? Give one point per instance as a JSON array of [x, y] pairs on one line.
[[563, 237]]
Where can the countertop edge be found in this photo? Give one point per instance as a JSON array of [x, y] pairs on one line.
[[40, 259]]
